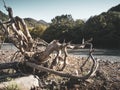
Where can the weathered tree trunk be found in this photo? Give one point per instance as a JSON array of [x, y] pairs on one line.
[[91, 72], [17, 31]]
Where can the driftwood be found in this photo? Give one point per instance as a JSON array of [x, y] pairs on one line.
[[91, 73], [16, 65], [17, 31]]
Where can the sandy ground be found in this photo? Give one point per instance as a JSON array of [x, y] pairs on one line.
[[107, 76]]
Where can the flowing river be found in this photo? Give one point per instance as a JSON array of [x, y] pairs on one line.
[[103, 54]]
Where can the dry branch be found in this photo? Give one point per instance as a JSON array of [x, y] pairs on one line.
[[22, 39], [63, 74]]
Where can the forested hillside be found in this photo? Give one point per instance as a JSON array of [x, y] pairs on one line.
[[36, 27], [64, 28], [115, 8], [103, 28]]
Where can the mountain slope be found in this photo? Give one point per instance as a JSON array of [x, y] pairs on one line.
[[32, 22], [105, 28], [115, 8]]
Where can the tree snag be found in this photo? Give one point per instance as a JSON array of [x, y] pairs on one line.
[[16, 30]]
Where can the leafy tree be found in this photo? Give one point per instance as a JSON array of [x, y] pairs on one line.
[[38, 30], [64, 28], [59, 26], [104, 28], [116, 8], [76, 32]]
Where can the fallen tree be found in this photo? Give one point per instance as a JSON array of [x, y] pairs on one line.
[[16, 30]]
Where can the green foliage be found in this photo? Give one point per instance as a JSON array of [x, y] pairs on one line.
[[65, 20], [37, 31], [64, 28], [104, 28], [116, 8], [36, 28]]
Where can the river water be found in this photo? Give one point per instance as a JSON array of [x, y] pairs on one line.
[[103, 54]]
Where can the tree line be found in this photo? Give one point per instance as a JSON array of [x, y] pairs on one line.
[[103, 28]]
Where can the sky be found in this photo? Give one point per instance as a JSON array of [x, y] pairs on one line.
[[48, 9]]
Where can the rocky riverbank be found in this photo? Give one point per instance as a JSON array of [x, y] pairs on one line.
[[107, 76]]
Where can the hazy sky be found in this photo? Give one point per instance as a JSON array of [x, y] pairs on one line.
[[48, 9]]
